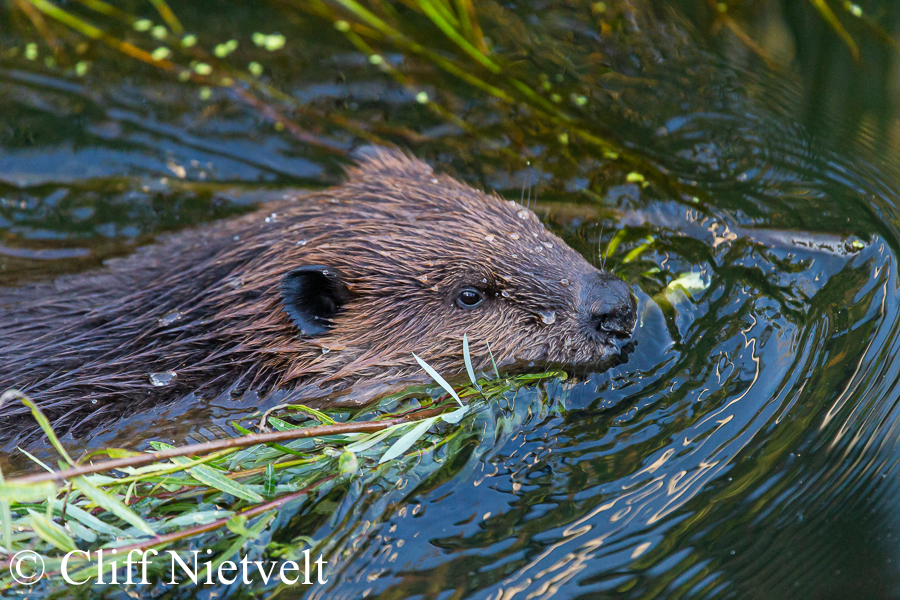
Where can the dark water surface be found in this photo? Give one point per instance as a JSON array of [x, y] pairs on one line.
[[749, 446]]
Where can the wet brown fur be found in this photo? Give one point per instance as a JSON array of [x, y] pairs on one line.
[[406, 240]]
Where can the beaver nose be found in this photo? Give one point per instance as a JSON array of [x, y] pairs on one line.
[[609, 305]]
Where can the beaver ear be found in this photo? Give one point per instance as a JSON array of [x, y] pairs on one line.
[[312, 296], [391, 162]]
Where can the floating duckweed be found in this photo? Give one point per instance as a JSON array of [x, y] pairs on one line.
[[189, 40], [226, 48], [31, 51], [160, 53], [273, 42], [376, 59], [556, 97], [142, 25], [853, 9], [857, 245], [634, 177], [279, 126], [159, 32], [49, 62], [599, 7], [184, 76], [563, 138], [205, 92], [81, 68], [579, 100], [255, 68], [610, 154], [422, 97], [202, 69], [226, 82], [342, 26], [546, 85], [722, 7]]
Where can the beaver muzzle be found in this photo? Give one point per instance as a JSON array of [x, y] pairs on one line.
[[608, 306]]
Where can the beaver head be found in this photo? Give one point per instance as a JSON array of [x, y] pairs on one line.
[[399, 260], [316, 294]]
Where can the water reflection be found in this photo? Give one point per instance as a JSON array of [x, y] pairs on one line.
[[748, 445]]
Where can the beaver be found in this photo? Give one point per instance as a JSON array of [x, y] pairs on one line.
[[324, 294]]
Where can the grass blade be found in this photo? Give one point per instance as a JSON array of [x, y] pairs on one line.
[[407, 440], [40, 418], [437, 377], [111, 504], [6, 522], [468, 360], [50, 532], [216, 479], [89, 520]]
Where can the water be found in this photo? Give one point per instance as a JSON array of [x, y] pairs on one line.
[[747, 446]]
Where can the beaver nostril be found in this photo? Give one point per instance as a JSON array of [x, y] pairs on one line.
[[610, 306], [619, 323]]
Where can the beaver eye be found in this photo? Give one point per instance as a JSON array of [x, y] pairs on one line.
[[469, 298]]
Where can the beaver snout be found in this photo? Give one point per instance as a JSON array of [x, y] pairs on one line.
[[609, 305]]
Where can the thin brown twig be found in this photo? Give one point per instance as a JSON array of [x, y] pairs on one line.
[[216, 445]]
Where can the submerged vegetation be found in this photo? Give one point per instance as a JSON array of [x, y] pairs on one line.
[[222, 494], [534, 113]]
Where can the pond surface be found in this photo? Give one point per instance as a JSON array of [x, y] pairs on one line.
[[748, 446]]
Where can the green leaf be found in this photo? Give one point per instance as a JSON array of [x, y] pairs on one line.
[[270, 481], [468, 360], [111, 504], [6, 522], [43, 422], [50, 532], [16, 492], [493, 362], [408, 439], [456, 416], [282, 425], [214, 478], [86, 518], [436, 376], [372, 439], [316, 414], [201, 517]]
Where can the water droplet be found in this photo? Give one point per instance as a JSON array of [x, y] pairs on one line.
[[489, 237], [302, 242], [422, 278], [505, 294], [515, 256], [523, 214], [163, 379], [514, 236], [170, 318], [326, 350], [564, 282], [548, 317], [483, 280], [236, 238], [547, 245], [94, 401], [538, 249]]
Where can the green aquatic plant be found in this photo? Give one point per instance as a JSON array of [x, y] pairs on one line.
[[225, 492]]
